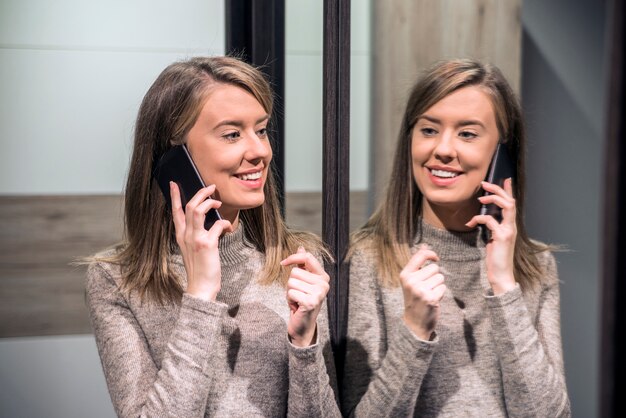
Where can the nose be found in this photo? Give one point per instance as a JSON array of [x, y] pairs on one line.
[[258, 148], [444, 148]]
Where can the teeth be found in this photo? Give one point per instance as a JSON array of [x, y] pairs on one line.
[[445, 174], [251, 176]]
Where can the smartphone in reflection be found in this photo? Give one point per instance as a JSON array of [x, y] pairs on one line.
[[500, 169], [176, 165]]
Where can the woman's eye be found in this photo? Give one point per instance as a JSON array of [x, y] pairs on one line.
[[262, 133], [467, 135], [428, 131], [231, 136]]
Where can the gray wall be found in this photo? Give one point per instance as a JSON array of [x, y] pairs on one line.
[[563, 93]]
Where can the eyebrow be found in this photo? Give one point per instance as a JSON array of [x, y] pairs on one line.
[[239, 123], [458, 125]]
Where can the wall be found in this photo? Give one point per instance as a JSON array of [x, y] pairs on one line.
[[303, 95], [564, 95], [72, 76]]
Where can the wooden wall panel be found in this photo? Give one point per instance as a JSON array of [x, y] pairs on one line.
[[41, 293], [410, 35]]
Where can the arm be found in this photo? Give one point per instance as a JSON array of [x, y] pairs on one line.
[[312, 379], [385, 361], [530, 358], [311, 369], [530, 355], [137, 388]]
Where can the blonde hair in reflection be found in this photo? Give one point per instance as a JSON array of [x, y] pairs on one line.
[[392, 228]]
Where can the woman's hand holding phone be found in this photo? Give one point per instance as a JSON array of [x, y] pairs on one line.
[[307, 288], [423, 288], [199, 246], [501, 245]]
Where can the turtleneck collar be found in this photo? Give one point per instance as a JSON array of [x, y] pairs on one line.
[[234, 248], [450, 245]]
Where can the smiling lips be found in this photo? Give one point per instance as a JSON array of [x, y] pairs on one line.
[[250, 176], [441, 176], [444, 173]]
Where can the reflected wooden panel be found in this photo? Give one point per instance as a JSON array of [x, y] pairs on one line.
[[41, 293]]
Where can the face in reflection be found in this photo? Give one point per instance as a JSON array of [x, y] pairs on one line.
[[451, 147], [230, 146]]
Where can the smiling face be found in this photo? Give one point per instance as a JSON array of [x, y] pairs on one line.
[[230, 146], [451, 147]]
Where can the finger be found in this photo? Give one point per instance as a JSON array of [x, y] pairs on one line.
[[418, 259], [504, 203], [218, 228], [487, 220], [300, 285], [310, 278], [309, 262], [423, 273], [439, 291], [508, 186], [178, 215], [200, 211], [434, 281], [296, 296], [495, 189], [507, 204], [200, 196]]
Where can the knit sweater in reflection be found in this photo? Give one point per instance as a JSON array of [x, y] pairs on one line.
[[228, 358], [493, 356]]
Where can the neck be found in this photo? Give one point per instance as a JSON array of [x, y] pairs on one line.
[[230, 215], [452, 218]]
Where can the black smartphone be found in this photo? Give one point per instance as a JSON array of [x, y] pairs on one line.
[[176, 165], [500, 169]]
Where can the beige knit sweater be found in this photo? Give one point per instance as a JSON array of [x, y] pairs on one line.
[[493, 356], [229, 358]]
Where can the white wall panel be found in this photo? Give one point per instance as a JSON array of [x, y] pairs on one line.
[[72, 76]]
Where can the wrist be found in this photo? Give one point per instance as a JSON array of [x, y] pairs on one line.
[[208, 293], [420, 332], [307, 339], [503, 286]]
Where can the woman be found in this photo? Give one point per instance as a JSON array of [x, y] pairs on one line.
[[194, 322], [443, 319]]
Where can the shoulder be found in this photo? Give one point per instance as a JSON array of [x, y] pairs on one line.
[[103, 272], [363, 262], [547, 264], [363, 249]]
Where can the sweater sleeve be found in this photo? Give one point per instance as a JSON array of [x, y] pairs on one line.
[[312, 378], [531, 354], [137, 387], [383, 374]]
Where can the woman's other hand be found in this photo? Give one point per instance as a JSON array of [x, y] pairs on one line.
[[423, 288], [501, 245], [307, 288], [198, 246]]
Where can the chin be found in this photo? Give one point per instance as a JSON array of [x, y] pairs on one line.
[[251, 204]]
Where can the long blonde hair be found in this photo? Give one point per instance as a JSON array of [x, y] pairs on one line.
[[168, 111], [392, 228]]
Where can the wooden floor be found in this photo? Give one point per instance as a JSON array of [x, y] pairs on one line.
[[41, 293]]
